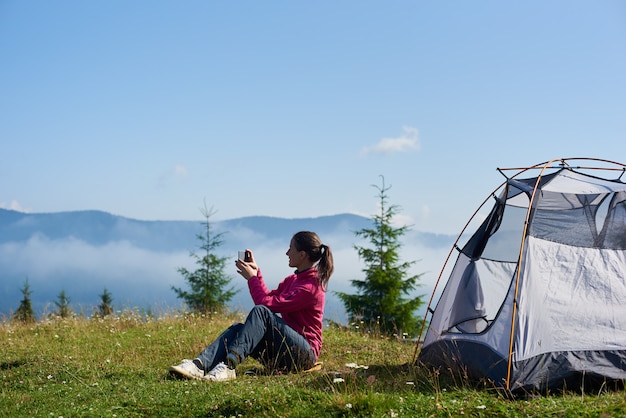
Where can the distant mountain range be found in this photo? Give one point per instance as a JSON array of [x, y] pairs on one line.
[[84, 252], [98, 228]]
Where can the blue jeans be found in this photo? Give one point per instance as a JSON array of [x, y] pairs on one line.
[[265, 337]]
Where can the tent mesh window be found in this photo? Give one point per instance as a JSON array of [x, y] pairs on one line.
[[590, 221]]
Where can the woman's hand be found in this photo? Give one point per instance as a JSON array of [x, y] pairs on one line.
[[247, 269]]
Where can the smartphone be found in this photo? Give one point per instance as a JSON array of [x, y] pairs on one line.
[[245, 256]]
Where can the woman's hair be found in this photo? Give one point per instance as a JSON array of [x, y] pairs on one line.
[[311, 244]]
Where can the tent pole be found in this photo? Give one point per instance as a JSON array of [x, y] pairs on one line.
[[543, 167], [517, 275]]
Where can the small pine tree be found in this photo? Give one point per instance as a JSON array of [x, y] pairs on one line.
[[25, 312], [208, 293], [64, 310], [106, 299], [381, 300]]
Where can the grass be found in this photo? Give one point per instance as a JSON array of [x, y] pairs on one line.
[[117, 367]]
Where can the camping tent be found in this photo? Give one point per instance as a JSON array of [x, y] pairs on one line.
[[537, 297]]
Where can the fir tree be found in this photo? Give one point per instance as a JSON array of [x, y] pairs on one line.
[[381, 301], [24, 312], [106, 299], [207, 293], [64, 310]]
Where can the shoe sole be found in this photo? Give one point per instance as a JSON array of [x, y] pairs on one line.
[[180, 372]]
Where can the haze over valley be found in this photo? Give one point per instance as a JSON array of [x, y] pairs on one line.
[[85, 252]]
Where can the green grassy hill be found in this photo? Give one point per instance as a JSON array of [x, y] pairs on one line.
[[117, 367]]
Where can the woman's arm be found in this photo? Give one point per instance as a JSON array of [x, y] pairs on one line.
[[285, 298]]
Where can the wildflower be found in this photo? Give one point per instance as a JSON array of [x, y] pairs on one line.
[[481, 407], [49, 376], [356, 366], [349, 405], [338, 380]]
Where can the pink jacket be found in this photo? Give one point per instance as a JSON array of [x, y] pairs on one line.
[[299, 299]]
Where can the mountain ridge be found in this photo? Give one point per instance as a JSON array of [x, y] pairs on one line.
[[18, 226], [99, 227]]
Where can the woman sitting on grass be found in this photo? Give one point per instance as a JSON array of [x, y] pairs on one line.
[[289, 342]]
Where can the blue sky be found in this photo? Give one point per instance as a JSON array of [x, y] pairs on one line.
[[146, 109]]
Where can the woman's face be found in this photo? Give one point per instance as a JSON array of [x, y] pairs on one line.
[[295, 257]]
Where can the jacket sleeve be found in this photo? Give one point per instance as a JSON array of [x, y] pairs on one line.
[[280, 300]]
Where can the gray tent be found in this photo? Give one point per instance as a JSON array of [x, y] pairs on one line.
[[537, 297]]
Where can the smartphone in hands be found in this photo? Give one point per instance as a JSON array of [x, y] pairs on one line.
[[245, 256]]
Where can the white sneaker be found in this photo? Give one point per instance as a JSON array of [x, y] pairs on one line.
[[188, 369], [221, 373]]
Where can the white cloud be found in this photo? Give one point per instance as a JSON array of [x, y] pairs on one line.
[[400, 220], [13, 205], [178, 172], [408, 141], [134, 276]]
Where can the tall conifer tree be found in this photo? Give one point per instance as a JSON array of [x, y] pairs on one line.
[[382, 295], [208, 293]]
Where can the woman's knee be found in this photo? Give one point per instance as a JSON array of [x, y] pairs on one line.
[[260, 311], [261, 314]]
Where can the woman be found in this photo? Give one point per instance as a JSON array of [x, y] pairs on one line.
[[290, 341]]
